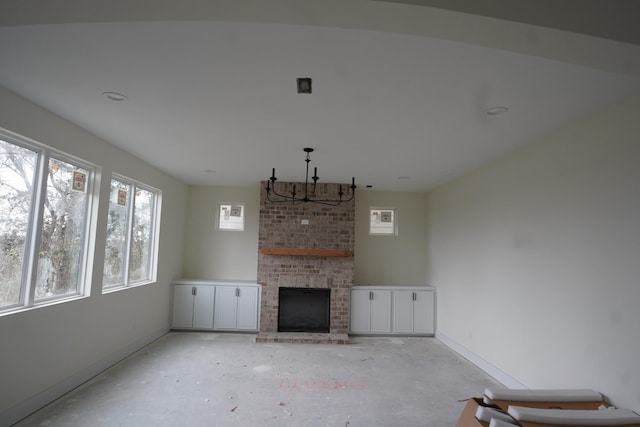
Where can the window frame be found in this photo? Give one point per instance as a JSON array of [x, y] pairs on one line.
[[394, 232], [132, 186], [33, 236]]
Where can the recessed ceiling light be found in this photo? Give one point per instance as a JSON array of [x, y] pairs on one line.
[[115, 96], [495, 111]]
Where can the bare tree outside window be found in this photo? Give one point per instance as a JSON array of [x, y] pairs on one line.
[[17, 171], [62, 232], [44, 211], [130, 250], [117, 237], [141, 236]]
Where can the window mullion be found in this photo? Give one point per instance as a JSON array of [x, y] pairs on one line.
[[129, 235], [35, 234], [86, 265], [154, 236]]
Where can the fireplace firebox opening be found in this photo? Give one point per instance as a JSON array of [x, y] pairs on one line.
[[304, 310]]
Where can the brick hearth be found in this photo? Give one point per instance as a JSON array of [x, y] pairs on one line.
[[329, 227], [303, 337]]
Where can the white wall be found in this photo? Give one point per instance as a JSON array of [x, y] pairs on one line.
[[218, 254], [391, 260], [47, 350], [537, 258]]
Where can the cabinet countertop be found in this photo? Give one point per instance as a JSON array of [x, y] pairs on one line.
[[394, 288], [215, 282]]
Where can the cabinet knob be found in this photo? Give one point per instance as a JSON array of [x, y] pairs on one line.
[[371, 295]]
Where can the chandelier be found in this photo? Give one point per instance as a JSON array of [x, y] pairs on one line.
[[307, 195]]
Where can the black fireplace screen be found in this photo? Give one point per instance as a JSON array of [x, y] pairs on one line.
[[303, 310]]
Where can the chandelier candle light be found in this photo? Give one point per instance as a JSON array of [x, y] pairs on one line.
[[308, 196]]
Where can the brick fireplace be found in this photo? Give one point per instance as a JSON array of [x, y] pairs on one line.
[[307, 245]]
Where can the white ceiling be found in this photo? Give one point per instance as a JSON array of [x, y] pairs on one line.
[[399, 90]]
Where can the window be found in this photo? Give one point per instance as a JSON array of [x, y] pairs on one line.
[[131, 252], [383, 221], [45, 211], [230, 217]]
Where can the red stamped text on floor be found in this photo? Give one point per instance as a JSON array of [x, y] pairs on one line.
[[323, 384]]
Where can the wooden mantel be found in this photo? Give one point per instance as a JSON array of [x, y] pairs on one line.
[[306, 252]]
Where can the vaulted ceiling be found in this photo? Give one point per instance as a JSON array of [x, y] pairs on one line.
[[400, 92]]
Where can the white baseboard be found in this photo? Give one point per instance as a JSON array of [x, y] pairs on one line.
[[24, 409], [498, 374]]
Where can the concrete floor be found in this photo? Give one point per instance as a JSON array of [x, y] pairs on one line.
[[209, 379]]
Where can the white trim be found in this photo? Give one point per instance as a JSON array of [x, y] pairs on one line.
[[498, 374], [40, 400]]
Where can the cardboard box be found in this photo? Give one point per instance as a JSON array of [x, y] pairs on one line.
[[468, 416], [504, 405]]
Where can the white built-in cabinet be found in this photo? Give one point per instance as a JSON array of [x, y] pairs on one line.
[[215, 305], [393, 310], [413, 312], [370, 311], [193, 306], [235, 308]]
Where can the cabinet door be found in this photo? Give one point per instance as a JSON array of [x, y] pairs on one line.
[[247, 308], [360, 311], [182, 306], [403, 311], [381, 311], [423, 313], [225, 308], [203, 307]]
